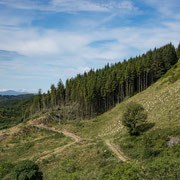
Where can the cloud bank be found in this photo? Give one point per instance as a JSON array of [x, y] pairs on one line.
[[42, 42]]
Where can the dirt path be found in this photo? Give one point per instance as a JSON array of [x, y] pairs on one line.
[[116, 151], [47, 154], [66, 133]]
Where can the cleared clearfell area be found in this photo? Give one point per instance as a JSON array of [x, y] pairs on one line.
[[31, 143], [161, 101]]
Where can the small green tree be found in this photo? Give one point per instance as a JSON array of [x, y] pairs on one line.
[[27, 170], [133, 117]]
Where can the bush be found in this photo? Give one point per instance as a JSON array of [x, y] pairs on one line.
[[133, 117], [5, 168], [127, 171], [149, 147], [164, 168], [27, 170]]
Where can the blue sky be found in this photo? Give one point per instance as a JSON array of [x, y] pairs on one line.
[[42, 41]]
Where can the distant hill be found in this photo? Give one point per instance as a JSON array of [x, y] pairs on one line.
[[7, 100], [12, 93]]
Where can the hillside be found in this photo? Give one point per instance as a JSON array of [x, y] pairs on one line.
[[13, 93], [95, 92], [161, 101], [12, 109], [94, 154], [7, 100]]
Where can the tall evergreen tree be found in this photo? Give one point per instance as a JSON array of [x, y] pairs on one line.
[[99, 90], [53, 96], [178, 51]]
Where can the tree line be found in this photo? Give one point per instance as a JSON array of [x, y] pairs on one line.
[[97, 91]]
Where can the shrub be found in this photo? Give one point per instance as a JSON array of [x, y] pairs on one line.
[[27, 170], [127, 171], [149, 149], [5, 168], [133, 117], [163, 168]]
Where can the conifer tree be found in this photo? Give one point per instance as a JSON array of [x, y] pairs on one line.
[[53, 96], [60, 96], [99, 90], [178, 51]]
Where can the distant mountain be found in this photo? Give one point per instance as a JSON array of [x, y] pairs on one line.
[[12, 93]]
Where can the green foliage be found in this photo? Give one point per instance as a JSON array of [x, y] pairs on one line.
[[155, 143], [5, 168], [99, 90], [151, 145], [79, 124], [13, 112], [149, 148], [25, 147], [127, 171], [103, 151], [174, 76], [164, 168], [178, 51], [9, 117], [69, 166], [133, 118], [27, 170], [7, 101], [161, 160], [161, 168]]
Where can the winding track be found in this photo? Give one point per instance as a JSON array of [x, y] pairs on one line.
[[76, 139], [116, 151], [66, 133], [47, 154]]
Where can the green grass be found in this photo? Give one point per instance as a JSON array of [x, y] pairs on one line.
[[31, 145], [150, 145], [90, 161]]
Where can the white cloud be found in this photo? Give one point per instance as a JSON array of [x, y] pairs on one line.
[[83, 69], [72, 54], [78, 5], [53, 54], [74, 45], [11, 20], [167, 8], [34, 42], [20, 4], [72, 5]]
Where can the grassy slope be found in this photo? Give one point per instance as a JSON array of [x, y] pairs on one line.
[[29, 143], [91, 159], [161, 101]]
